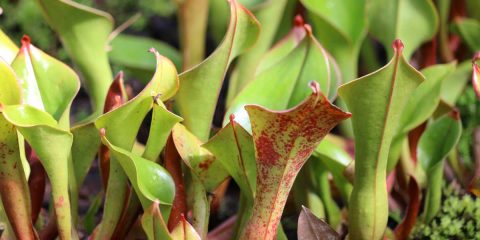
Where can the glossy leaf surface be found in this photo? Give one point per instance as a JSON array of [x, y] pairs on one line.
[[311, 227], [10, 92], [150, 180], [284, 72], [438, 140], [376, 102], [283, 142], [407, 17], [200, 86], [84, 32], [54, 95], [340, 26], [269, 14]]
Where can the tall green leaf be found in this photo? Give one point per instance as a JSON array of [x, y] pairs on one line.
[[154, 225], [52, 144], [54, 95], [413, 21], [284, 72], [283, 142], [200, 86], [420, 107], [469, 31], [163, 86], [233, 148], [201, 161], [341, 27], [376, 102], [14, 191], [8, 49], [435, 143], [84, 33], [269, 14]]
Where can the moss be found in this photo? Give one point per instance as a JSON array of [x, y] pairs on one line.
[[459, 218]]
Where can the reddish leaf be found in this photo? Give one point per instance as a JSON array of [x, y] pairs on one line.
[[173, 165], [116, 96], [402, 231], [36, 184], [310, 227], [283, 142], [476, 74], [413, 138]]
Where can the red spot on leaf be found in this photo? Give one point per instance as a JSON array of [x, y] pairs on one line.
[[205, 165], [266, 150]]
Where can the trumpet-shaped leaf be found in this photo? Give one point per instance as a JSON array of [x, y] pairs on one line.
[[283, 74], [269, 14], [8, 49], [376, 102], [14, 191], [201, 161], [200, 86], [420, 107], [52, 145], [54, 95], [10, 92], [407, 17], [84, 33], [154, 225], [160, 128], [233, 148], [311, 227], [162, 86], [283, 142], [340, 26]]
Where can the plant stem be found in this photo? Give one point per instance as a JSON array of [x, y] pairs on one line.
[[434, 192], [192, 18]]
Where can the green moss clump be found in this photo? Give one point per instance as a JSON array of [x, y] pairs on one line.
[[459, 218]]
